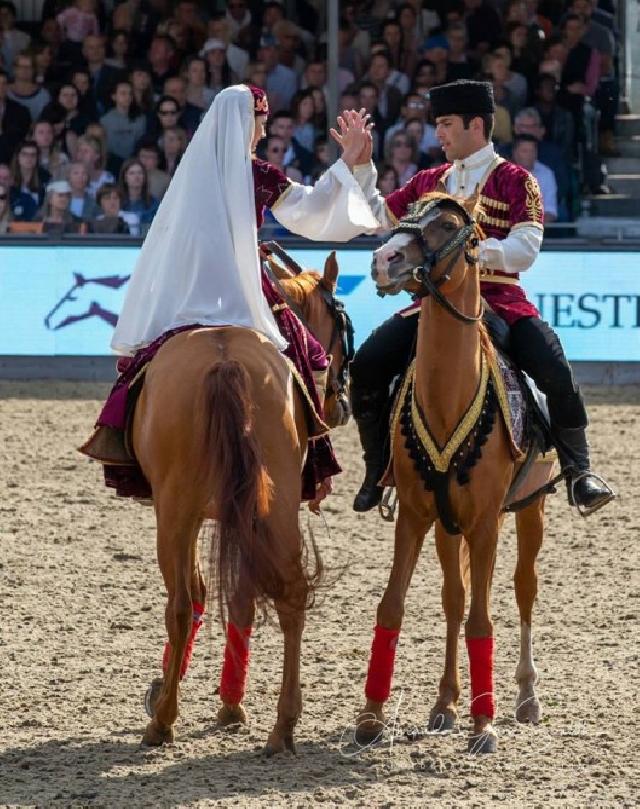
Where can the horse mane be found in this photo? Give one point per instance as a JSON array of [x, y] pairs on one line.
[[299, 287]]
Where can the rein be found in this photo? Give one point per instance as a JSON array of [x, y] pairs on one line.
[[342, 330]]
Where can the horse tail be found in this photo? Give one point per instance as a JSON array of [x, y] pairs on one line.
[[242, 540]]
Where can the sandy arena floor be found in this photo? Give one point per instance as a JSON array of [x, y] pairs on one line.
[[82, 632]]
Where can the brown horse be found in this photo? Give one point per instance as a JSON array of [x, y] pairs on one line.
[[220, 431], [436, 244]]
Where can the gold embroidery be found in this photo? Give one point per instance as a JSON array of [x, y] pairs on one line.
[[494, 203], [493, 220], [533, 202], [278, 307], [488, 276]]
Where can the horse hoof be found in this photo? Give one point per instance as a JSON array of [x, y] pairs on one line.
[[278, 744], [442, 720], [155, 736], [529, 712], [369, 729], [484, 742], [231, 715], [151, 697]]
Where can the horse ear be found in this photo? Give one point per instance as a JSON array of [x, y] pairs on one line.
[[280, 272], [471, 203], [330, 275]]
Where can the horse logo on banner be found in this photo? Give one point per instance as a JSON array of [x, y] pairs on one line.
[[74, 306]]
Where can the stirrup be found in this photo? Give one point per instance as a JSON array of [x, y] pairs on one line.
[[387, 506], [585, 512]]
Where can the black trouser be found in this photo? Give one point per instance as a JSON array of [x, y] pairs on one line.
[[534, 346], [536, 349], [383, 356]]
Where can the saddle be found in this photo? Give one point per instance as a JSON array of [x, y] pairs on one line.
[[503, 392]]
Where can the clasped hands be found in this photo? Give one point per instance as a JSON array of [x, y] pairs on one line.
[[354, 137]]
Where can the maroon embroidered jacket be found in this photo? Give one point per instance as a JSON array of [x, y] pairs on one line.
[[269, 184], [509, 198]]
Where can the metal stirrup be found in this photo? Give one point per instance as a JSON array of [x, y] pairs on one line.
[[585, 512], [388, 504]]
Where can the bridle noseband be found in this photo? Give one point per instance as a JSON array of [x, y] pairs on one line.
[[461, 240]]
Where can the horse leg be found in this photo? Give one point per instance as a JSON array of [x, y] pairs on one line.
[[177, 540], [444, 714], [479, 637], [411, 529], [529, 526], [233, 678], [199, 595], [291, 617]]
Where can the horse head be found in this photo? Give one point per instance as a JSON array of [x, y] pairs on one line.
[[313, 298], [431, 240]]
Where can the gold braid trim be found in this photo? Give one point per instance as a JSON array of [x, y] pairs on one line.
[[397, 408], [441, 459], [283, 196], [390, 214], [320, 428], [493, 220], [494, 203]]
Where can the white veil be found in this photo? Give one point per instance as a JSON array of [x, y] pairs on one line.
[[199, 262]]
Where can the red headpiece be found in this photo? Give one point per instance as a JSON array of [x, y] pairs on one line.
[[260, 100]]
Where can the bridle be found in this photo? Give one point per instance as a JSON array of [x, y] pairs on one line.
[[342, 333], [464, 238]]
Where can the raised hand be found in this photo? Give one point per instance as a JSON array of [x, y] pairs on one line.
[[354, 137]]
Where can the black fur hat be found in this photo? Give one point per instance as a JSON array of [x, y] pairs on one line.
[[461, 98]]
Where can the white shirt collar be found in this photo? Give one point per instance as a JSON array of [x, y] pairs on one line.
[[480, 158]]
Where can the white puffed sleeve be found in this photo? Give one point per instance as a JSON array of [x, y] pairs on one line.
[[334, 209], [514, 254], [366, 176]]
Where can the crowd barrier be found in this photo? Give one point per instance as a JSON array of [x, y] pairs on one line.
[[61, 300]]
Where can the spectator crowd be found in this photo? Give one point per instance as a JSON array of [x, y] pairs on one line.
[[99, 98]]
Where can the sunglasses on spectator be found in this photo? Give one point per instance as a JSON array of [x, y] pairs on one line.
[[4, 197], [167, 112], [276, 149]]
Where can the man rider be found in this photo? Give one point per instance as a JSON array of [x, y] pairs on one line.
[[511, 216]]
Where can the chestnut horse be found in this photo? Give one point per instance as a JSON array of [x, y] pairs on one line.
[[220, 431], [437, 244]]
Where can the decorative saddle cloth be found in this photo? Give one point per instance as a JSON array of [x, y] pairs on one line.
[[499, 393], [503, 393]]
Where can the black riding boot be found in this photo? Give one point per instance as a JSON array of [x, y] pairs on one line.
[[585, 489], [371, 415]]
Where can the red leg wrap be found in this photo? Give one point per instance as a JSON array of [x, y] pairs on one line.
[[383, 655], [236, 664], [198, 612], [480, 652]]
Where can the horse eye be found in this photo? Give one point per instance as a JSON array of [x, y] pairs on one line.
[[449, 225]]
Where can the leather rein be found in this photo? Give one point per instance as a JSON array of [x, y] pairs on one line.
[[342, 328], [460, 241]]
